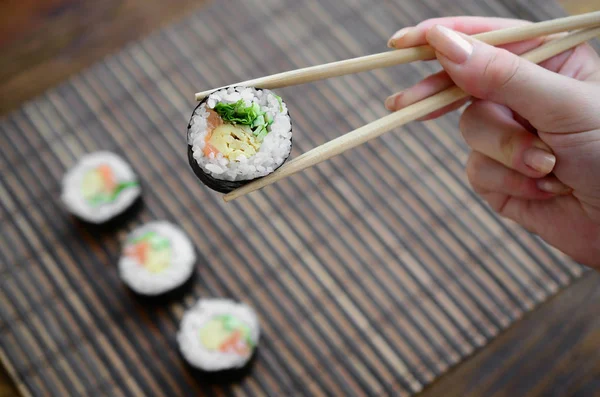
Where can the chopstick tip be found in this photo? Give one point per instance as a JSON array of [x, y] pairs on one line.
[[228, 197]]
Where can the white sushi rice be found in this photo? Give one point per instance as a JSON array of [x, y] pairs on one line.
[[71, 187], [195, 318], [183, 259], [273, 151]]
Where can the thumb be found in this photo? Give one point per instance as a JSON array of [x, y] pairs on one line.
[[549, 101]]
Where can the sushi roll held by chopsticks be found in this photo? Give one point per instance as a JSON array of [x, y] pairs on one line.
[[237, 135]]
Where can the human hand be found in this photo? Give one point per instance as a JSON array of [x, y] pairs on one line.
[[534, 130]]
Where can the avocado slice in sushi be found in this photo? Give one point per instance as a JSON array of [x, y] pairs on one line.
[[237, 135]]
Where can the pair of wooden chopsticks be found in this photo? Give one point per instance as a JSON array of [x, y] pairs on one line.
[[421, 53], [587, 26]]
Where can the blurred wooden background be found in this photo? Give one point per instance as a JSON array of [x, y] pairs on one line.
[[42, 42]]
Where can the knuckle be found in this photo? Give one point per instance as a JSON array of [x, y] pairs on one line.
[[501, 70]]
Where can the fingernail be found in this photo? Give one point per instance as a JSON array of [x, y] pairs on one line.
[[401, 33], [553, 186], [390, 102], [539, 159], [450, 44]]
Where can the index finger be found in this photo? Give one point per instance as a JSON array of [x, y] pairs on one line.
[[415, 35]]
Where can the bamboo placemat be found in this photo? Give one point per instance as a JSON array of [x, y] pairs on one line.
[[373, 273]]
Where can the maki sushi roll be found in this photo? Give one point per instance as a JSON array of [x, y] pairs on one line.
[[99, 187], [219, 337], [236, 135], [157, 258]]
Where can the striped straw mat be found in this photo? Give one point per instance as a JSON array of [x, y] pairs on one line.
[[372, 273]]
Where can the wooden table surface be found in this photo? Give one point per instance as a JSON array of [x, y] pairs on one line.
[[552, 351]]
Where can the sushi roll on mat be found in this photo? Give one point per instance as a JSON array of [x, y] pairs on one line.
[[99, 187], [238, 134], [157, 258], [219, 336]]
